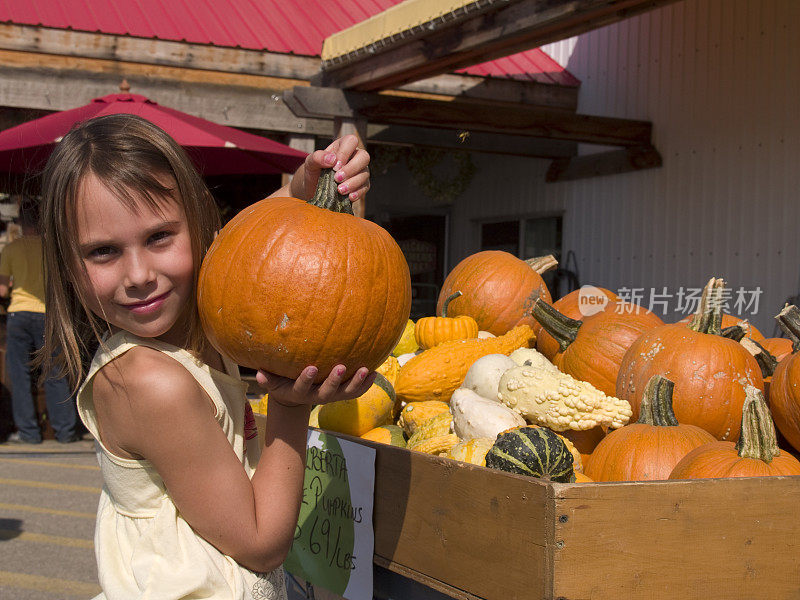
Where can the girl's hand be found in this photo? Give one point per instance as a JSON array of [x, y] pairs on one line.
[[348, 161], [302, 390]]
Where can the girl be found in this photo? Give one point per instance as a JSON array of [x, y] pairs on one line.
[[183, 512]]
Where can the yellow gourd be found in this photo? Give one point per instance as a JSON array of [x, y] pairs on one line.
[[414, 414], [432, 331], [389, 369], [408, 342], [436, 373], [313, 417], [386, 434], [471, 451], [435, 445], [357, 416]]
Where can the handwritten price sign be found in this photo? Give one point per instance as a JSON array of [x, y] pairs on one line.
[[333, 541]]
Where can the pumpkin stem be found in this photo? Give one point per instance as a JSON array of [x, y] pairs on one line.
[[708, 318], [789, 321], [656, 407], [764, 357], [736, 332], [327, 194], [561, 327], [447, 302], [757, 438], [542, 264]]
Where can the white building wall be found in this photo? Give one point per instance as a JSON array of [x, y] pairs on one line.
[[719, 79]]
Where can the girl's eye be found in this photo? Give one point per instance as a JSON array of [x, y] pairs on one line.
[[160, 236], [102, 252]]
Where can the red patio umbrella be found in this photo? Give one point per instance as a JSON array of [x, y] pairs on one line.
[[215, 149]]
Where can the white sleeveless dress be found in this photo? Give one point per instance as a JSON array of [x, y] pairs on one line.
[[145, 550]]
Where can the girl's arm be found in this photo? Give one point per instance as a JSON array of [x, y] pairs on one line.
[[149, 406], [345, 157]]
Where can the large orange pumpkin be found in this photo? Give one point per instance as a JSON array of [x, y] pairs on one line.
[[592, 349], [650, 448], [709, 371], [288, 283], [498, 289], [784, 391], [756, 454], [575, 305]]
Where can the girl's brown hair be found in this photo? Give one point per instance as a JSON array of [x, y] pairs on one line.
[[131, 157]]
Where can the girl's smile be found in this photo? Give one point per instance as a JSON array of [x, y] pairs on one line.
[[138, 262]]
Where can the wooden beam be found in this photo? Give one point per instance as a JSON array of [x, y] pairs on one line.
[[473, 141], [511, 27], [65, 42], [611, 162], [31, 40], [205, 94], [468, 116], [496, 89]]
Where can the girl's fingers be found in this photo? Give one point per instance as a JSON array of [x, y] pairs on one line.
[[357, 183], [328, 388], [344, 148], [359, 383], [303, 384]]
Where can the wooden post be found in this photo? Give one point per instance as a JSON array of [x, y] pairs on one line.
[[304, 143], [357, 127]]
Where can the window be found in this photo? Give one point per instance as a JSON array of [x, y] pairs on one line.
[[525, 238]]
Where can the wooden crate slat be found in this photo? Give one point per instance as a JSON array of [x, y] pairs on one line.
[[714, 538]]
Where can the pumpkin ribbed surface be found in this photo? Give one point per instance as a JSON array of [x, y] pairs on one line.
[[287, 284], [498, 290], [533, 451]]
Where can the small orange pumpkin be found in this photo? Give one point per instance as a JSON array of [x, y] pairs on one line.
[[756, 454], [650, 448], [288, 283], [432, 331]]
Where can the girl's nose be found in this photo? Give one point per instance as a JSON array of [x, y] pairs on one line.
[[138, 272]]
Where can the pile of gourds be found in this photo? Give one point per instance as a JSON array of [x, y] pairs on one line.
[[508, 379]]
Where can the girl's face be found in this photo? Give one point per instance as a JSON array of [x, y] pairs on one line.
[[138, 262]]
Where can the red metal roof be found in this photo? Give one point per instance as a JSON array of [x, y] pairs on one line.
[[283, 26]]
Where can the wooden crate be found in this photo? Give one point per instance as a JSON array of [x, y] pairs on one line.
[[476, 533], [473, 532]]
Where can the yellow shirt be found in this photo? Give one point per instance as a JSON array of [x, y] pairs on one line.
[[21, 260]]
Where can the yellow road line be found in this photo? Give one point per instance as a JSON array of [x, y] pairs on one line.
[[48, 463], [41, 538], [55, 449], [48, 584], [51, 486], [49, 511]]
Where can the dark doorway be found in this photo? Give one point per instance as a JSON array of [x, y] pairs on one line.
[[422, 238]]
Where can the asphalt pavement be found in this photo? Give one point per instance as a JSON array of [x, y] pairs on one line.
[[48, 501]]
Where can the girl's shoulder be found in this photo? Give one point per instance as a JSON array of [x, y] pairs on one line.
[[143, 386]]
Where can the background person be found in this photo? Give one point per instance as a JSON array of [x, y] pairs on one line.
[[22, 273]]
